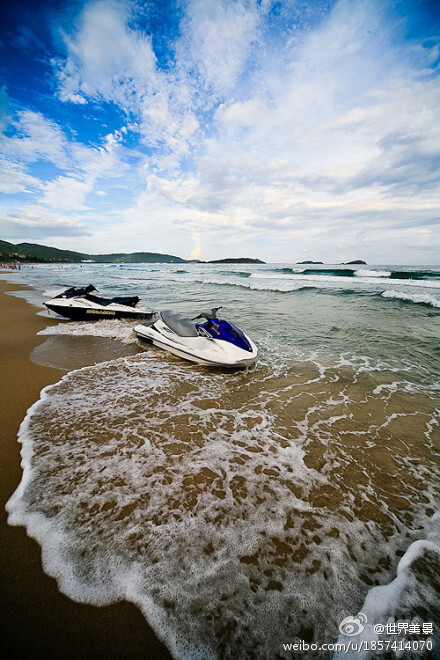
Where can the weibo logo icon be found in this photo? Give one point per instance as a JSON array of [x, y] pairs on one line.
[[353, 625]]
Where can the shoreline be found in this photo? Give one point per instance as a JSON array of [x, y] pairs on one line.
[[36, 619]]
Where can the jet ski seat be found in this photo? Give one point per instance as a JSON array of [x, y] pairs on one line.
[[128, 301], [181, 325]]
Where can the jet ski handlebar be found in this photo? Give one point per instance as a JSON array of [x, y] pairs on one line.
[[209, 316]]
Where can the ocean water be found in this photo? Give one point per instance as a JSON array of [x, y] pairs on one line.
[[244, 511]]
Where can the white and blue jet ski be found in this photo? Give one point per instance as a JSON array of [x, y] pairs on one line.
[[214, 342]]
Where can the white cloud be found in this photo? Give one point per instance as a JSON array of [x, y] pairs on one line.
[[13, 178], [35, 137], [88, 164], [29, 139], [108, 60], [35, 220], [66, 193], [104, 58], [218, 36]]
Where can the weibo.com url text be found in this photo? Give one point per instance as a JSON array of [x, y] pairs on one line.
[[385, 645]]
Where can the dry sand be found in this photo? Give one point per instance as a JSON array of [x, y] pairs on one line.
[[36, 619]]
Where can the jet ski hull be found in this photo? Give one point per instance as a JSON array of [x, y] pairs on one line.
[[79, 309], [201, 349]]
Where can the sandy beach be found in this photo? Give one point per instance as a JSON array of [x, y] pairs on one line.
[[36, 619]]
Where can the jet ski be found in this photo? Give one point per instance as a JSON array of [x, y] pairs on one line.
[[79, 304], [214, 342]]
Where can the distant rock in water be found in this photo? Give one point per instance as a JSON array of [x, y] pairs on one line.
[[356, 261], [240, 260], [300, 263]]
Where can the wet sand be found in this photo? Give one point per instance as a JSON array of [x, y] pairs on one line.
[[36, 619]]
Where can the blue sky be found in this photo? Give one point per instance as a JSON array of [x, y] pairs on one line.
[[283, 130]]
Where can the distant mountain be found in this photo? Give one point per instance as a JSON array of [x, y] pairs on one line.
[[240, 260], [37, 253], [137, 258], [32, 252]]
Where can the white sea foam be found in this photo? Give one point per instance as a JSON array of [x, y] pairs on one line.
[[301, 276], [114, 329], [421, 298], [420, 284], [218, 505], [274, 283], [363, 272], [414, 590]]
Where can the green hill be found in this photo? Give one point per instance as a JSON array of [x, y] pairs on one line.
[[136, 258], [36, 253], [31, 252]]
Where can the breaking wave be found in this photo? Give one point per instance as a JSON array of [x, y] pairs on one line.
[[417, 298]]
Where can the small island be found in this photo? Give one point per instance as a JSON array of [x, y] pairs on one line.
[[308, 262], [354, 263], [238, 260]]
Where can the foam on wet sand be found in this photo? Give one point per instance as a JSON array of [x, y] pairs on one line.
[[36, 619]]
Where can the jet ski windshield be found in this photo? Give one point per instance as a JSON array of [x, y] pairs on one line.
[[77, 292]]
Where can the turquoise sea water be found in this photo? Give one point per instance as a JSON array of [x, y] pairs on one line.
[[244, 510]]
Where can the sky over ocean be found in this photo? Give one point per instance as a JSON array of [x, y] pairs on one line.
[[212, 128]]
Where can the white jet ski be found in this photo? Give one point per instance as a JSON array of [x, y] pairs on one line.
[[215, 342], [79, 304]]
